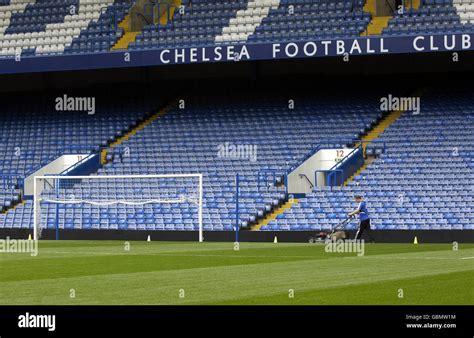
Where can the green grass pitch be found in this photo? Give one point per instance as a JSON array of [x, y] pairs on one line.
[[191, 273]]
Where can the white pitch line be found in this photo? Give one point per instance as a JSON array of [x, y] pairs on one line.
[[244, 256], [88, 253], [169, 254], [402, 258]]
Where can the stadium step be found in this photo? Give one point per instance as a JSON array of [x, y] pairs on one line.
[[386, 122], [164, 17], [377, 25], [367, 162], [369, 6], [148, 120], [415, 4], [380, 128], [273, 215], [372, 135], [12, 207], [128, 36], [375, 132]]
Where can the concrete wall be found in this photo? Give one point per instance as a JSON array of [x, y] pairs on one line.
[[55, 167], [324, 159]]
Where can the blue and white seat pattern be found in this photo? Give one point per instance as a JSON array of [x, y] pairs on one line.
[[186, 141], [424, 180]]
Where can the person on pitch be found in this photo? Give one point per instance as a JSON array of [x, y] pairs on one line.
[[364, 219]]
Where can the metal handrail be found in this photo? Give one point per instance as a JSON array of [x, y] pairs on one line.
[[389, 5], [155, 8], [311, 185], [143, 17]]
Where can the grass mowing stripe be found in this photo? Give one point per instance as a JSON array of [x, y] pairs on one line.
[[65, 267], [64, 249], [426, 290], [227, 282], [51, 266], [53, 248]]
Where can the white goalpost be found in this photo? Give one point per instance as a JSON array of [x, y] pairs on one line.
[[122, 202]]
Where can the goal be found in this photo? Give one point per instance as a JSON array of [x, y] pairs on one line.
[[118, 202]]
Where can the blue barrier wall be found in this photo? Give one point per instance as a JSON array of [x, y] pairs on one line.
[[371, 45], [86, 166], [349, 167]]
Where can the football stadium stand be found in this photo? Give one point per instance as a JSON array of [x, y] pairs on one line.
[[45, 27], [256, 21], [181, 149], [433, 16], [53, 27], [101, 33], [423, 180], [33, 135]]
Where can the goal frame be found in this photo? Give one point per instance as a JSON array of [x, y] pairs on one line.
[[36, 200]]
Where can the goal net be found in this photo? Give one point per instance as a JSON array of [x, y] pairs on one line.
[[119, 202]]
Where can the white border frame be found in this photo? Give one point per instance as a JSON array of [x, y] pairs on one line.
[[35, 202]]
